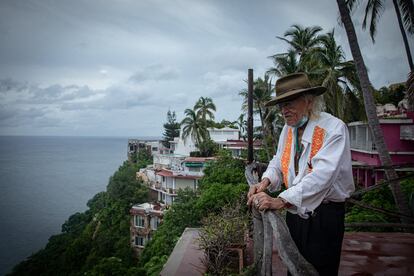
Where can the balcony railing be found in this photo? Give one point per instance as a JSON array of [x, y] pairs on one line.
[[267, 224], [363, 145]]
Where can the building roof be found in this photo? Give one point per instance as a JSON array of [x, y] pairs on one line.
[[147, 208], [402, 120], [199, 159], [168, 173], [241, 144], [223, 129]]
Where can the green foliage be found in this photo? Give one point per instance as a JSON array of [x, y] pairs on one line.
[[142, 159], [224, 123], [389, 95], [113, 266], [76, 223], [208, 148], [171, 129], [124, 187], [225, 170], [223, 184], [219, 233], [217, 195], [154, 266], [380, 198], [95, 242], [194, 127], [259, 155]]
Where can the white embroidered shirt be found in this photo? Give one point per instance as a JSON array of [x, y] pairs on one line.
[[325, 176]]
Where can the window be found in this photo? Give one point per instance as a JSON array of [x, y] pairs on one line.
[[155, 222], [139, 221], [139, 241]]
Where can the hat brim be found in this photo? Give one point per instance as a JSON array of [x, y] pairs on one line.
[[318, 90]]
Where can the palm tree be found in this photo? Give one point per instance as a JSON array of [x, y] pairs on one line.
[[242, 125], [334, 73], [405, 16], [262, 92], [194, 127], [299, 58], [285, 63], [370, 109], [204, 108], [302, 40], [410, 91]]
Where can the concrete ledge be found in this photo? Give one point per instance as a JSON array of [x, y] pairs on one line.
[[186, 256]]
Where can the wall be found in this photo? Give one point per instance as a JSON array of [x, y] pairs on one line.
[[183, 183]]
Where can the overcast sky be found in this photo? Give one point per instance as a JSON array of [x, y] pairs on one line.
[[114, 68]]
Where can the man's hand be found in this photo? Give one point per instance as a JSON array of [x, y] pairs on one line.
[[257, 188], [263, 201]]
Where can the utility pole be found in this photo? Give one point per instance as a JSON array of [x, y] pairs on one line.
[[250, 117]]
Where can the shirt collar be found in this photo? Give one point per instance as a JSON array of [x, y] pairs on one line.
[[308, 132]]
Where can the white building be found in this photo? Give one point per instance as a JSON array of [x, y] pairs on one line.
[[218, 135]]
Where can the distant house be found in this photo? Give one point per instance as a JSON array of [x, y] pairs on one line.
[[177, 170], [399, 137], [218, 135], [164, 183], [151, 147], [145, 219], [171, 182], [237, 146]]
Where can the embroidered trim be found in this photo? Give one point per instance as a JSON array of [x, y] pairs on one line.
[[317, 142], [286, 157]]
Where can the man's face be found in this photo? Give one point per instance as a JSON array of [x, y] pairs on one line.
[[294, 110]]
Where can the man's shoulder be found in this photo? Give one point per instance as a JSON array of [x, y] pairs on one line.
[[329, 122]]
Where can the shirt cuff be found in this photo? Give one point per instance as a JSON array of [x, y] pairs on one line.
[[293, 196]]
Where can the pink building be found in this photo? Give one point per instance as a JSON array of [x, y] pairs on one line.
[[399, 137]]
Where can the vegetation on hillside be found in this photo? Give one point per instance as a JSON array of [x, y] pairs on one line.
[[223, 184]]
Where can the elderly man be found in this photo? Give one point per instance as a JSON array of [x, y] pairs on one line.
[[313, 161]]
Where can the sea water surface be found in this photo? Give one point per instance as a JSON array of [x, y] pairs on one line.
[[44, 180]]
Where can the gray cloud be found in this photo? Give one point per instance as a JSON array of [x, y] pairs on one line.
[[88, 67], [155, 72]]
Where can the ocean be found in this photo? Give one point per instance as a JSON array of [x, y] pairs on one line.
[[44, 180]]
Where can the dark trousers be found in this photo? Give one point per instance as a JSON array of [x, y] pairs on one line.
[[319, 238]]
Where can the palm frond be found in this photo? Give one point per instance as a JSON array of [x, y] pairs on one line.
[[407, 11]]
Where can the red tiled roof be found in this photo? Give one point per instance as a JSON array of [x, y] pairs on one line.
[[164, 173]]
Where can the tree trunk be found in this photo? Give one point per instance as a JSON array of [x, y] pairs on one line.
[[371, 112], [404, 35]]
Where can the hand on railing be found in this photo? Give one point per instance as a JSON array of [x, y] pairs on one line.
[[256, 189]]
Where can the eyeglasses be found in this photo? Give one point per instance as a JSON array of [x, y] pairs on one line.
[[288, 104]]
